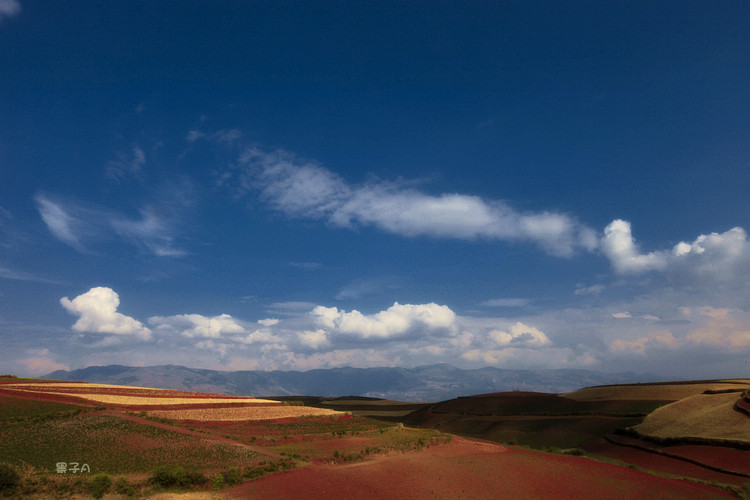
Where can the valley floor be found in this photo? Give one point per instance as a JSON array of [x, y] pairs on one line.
[[468, 468]]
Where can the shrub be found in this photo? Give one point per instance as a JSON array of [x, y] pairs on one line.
[[100, 484], [217, 482], [574, 451], [123, 487], [9, 479], [195, 478], [168, 476], [231, 477]]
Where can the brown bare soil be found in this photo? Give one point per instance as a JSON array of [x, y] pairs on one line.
[[467, 468]]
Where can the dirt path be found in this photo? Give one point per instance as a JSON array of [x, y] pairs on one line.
[[183, 430], [467, 468]]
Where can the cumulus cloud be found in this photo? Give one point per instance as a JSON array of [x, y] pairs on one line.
[[313, 339], [196, 325], [521, 357], [305, 189], [397, 321], [520, 334], [9, 8], [619, 246], [715, 256], [97, 312]]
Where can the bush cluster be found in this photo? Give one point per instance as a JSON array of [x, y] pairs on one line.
[[176, 476], [99, 485], [9, 479]]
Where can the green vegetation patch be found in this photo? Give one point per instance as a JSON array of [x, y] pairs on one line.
[[274, 432], [112, 445], [13, 409]]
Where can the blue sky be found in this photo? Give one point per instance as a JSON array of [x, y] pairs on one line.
[[295, 185]]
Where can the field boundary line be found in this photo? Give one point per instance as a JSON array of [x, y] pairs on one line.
[[676, 457], [177, 428]]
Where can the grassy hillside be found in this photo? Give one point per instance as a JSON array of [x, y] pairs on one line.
[[657, 391], [708, 416]]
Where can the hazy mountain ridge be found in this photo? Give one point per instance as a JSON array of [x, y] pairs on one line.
[[424, 383]]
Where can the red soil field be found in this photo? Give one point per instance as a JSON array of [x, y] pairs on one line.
[[728, 458], [466, 468], [40, 396]]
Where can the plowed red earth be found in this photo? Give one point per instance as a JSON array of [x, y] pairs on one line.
[[726, 458], [467, 468]]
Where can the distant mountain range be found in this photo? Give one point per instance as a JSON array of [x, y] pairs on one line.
[[425, 383]]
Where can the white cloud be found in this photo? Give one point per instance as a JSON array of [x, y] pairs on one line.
[[196, 325], [722, 328], [658, 338], [622, 315], [397, 321], [97, 311], [305, 189], [313, 339], [619, 246], [151, 231], [527, 358], [520, 333], [719, 257], [154, 231], [588, 290], [64, 226], [9, 8]]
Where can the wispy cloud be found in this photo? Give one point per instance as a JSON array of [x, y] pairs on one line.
[[582, 289], [151, 231], [305, 189], [12, 274], [81, 227], [364, 287], [509, 302], [65, 226], [126, 164], [9, 8]]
